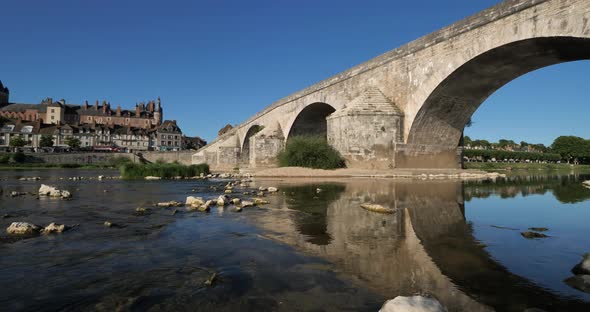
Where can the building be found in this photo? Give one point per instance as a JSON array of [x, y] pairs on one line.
[[145, 116], [96, 126], [169, 136], [193, 143]]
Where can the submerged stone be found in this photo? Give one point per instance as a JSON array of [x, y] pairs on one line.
[[584, 266], [579, 282], [377, 208], [412, 304], [531, 235]]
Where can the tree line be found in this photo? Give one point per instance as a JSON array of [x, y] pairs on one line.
[[570, 149]]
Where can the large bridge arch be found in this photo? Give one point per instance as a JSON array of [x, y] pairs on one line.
[[445, 112], [311, 121]]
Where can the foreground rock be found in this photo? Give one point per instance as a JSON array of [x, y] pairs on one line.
[[194, 202], [273, 189], [22, 228], [412, 304], [584, 266], [377, 208], [171, 203], [54, 228], [51, 191], [531, 235], [17, 194], [579, 282], [539, 229], [586, 183]]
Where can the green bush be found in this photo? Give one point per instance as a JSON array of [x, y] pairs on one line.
[[311, 152], [4, 159], [19, 157], [134, 171], [118, 161]]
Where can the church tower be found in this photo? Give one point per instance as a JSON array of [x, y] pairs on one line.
[[4, 93], [158, 113]]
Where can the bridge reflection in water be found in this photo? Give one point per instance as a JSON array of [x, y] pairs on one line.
[[426, 247]]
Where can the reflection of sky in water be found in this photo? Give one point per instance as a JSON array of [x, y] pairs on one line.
[[544, 261]]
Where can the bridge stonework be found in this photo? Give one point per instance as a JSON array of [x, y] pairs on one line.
[[433, 86]]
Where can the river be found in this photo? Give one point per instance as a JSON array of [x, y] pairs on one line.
[[311, 249]]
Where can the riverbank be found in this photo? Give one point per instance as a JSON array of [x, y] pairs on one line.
[[488, 166], [422, 174]]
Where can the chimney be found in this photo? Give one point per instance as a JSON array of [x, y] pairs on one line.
[[104, 107], [136, 110], [96, 105], [86, 106], [119, 110]]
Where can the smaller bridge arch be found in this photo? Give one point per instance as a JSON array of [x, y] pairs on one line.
[[311, 120], [245, 144]]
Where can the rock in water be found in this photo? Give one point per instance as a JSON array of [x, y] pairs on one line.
[[579, 282], [54, 228], [259, 201], [530, 235], [272, 189], [246, 203], [46, 190], [586, 183], [539, 229], [412, 304], [377, 208], [584, 266], [221, 201], [194, 202], [22, 228]]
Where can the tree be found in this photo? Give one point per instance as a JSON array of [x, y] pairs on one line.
[[17, 142], [467, 140], [46, 141], [571, 147], [72, 142]]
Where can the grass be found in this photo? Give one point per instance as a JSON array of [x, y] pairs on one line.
[[137, 171], [523, 166], [311, 152]]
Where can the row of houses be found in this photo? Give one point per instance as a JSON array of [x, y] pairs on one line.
[[165, 137]]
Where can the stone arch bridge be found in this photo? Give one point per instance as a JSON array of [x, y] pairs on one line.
[[407, 108]]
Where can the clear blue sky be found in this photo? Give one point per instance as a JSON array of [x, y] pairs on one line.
[[216, 62]]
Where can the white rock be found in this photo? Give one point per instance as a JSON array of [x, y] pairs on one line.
[[246, 203], [66, 194], [272, 189], [412, 304], [54, 228], [152, 178], [46, 189], [235, 201], [100, 177], [221, 201], [262, 188], [21, 228], [586, 183], [194, 202]]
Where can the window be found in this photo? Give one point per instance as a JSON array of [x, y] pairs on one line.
[[52, 117], [162, 143], [89, 118], [53, 110]]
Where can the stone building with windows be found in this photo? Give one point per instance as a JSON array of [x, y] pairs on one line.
[[169, 136], [95, 125]]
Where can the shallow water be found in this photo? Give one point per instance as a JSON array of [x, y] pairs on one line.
[[306, 251]]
